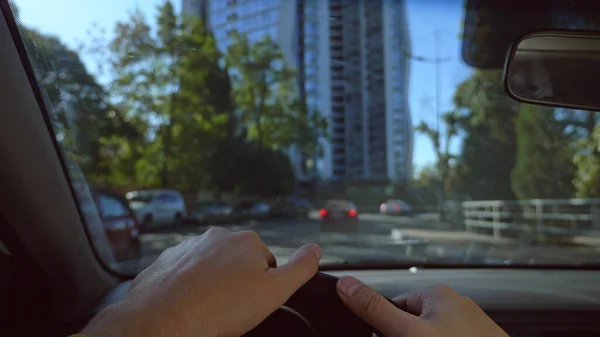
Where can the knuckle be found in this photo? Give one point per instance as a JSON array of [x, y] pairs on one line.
[[214, 230], [250, 236]]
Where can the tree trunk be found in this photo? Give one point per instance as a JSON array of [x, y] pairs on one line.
[[261, 106], [164, 177], [259, 131]]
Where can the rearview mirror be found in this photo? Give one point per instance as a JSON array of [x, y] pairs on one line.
[[556, 68]]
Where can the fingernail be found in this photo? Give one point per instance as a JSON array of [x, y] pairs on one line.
[[349, 286], [316, 249]]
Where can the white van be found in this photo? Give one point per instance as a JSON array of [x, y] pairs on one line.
[[157, 208]]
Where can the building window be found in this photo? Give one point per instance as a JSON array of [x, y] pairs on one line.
[[217, 5]]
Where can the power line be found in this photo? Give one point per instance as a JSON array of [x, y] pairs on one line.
[[437, 60]]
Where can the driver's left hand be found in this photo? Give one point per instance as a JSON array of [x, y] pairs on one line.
[[217, 284]]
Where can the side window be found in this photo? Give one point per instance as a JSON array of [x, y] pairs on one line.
[[163, 199], [111, 207]]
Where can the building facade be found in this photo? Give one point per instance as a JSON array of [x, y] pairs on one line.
[[350, 58]]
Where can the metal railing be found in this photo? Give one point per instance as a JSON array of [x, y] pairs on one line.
[[533, 219]]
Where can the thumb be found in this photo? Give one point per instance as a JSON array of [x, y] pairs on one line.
[[373, 308], [300, 268]]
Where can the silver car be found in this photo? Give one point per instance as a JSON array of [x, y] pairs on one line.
[[211, 211], [154, 208]]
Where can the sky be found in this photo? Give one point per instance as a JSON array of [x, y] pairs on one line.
[[71, 20]]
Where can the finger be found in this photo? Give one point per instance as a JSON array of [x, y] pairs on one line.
[[410, 302], [373, 308], [296, 271], [254, 241], [419, 302]]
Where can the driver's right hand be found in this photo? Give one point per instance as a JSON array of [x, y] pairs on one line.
[[439, 311]]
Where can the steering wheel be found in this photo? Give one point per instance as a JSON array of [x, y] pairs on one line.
[[315, 310]]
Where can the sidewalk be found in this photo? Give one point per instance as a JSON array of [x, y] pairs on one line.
[[477, 248]]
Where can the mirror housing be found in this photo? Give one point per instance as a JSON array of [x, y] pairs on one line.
[[555, 68]]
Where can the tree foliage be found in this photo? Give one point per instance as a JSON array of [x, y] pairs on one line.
[[266, 96], [77, 104], [587, 161], [486, 118], [170, 80], [544, 161], [512, 150], [187, 115], [442, 151]]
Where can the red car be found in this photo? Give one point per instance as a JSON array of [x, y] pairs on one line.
[[339, 213], [122, 229]]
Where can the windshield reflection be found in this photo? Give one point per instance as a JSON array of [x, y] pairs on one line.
[[367, 127]]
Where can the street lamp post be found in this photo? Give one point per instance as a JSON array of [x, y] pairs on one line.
[[437, 60]]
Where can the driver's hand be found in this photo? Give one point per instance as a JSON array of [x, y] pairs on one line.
[[217, 284], [434, 312]]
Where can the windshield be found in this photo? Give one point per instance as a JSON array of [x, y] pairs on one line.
[[251, 103]]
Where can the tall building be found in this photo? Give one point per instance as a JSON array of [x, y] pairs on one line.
[[254, 18], [350, 57], [357, 74]]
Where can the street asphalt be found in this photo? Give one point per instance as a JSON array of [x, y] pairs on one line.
[[403, 240]]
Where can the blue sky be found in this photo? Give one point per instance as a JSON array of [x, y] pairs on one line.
[[72, 19]]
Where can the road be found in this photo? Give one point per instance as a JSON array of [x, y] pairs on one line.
[[409, 240]]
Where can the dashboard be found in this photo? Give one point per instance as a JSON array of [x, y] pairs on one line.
[[532, 303]]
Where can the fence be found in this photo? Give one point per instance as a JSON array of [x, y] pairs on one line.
[[533, 219]]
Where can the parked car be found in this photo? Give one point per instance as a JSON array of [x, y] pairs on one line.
[[291, 207], [251, 210], [119, 223], [157, 208], [339, 212], [395, 207], [211, 211]]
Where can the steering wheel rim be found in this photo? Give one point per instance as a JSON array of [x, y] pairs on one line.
[[314, 310]]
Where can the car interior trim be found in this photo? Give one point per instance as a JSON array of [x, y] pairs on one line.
[[54, 234]]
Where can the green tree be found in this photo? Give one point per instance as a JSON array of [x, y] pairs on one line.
[[587, 161], [262, 86], [141, 86], [205, 110], [267, 101], [427, 183], [442, 150], [484, 164], [168, 79], [512, 149], [544, 165], [485, 115], [267, 172], [78, 105]]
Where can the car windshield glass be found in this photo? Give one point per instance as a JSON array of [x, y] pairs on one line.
[[393, 110]]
